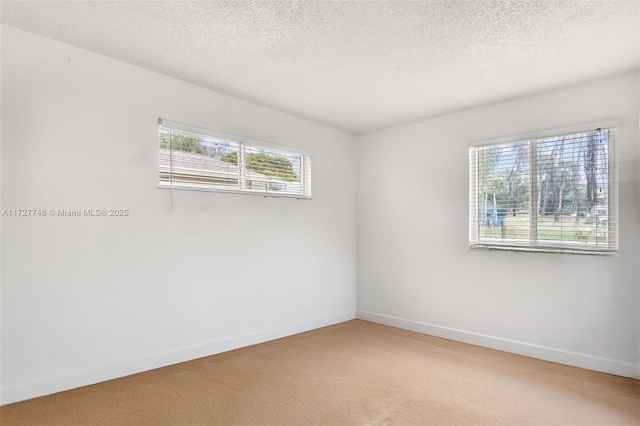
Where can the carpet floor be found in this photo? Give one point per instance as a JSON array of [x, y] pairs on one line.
[[353, 373]]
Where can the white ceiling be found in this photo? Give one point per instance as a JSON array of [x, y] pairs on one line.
[[356, 66]]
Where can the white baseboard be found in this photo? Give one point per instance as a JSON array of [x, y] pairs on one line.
[[61, 383], [589, 362]]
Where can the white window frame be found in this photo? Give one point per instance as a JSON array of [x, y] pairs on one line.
[[244, 143], [533, 244]]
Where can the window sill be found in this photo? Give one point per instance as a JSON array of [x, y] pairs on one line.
[[236, 191], [541, 249]]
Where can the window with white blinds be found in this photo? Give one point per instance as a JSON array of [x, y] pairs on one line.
[[197, 159], [554, 191]]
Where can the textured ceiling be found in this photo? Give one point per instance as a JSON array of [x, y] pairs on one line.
[[356, 66]]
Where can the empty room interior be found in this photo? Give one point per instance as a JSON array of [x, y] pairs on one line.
[[314, 212]]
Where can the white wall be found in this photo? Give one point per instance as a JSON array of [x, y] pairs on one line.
[[415, 269], [88, 299]]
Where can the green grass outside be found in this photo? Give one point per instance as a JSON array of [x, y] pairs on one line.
[[565, 229]]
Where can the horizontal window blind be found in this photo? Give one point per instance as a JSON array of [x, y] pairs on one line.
[[554, 193], [204, 161]]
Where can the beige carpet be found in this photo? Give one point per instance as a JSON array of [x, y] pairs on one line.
[[354, 373]]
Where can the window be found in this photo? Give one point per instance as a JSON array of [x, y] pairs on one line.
[[554, 191], [202, 160]]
